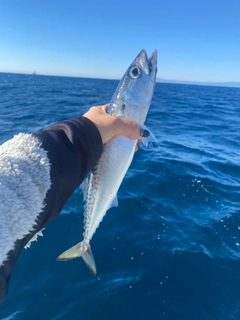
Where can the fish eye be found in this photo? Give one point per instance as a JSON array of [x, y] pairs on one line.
[[135, 72]]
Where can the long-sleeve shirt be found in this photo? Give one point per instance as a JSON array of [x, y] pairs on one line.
[[38, 174]]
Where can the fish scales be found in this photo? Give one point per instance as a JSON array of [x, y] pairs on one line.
[[120, 151]]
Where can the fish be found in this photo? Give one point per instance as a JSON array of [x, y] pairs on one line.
[[131, 100]]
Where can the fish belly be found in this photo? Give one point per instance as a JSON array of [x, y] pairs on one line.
[[106, 180]]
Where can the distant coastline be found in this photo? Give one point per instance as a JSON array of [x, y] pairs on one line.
[[199, 83]]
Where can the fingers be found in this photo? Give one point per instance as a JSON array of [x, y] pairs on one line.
[[129, 128], [110, 126]]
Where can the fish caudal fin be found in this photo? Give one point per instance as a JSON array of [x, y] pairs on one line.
[[80, 250]]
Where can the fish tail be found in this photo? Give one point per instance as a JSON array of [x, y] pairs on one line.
[[83, 250]]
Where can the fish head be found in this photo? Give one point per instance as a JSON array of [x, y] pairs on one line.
[[134, 93]]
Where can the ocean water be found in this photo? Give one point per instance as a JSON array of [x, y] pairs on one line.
[[171, 249]]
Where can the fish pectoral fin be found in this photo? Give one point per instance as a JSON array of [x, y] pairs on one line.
[[80, 250]]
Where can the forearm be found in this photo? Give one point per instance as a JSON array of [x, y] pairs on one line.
[[73, 148]]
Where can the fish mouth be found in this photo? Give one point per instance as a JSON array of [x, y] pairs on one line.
[[152, 62], [149, 63]]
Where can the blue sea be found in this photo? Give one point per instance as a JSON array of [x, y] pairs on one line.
[[171, 249]]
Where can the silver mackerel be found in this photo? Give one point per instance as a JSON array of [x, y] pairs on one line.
[[131, 100]]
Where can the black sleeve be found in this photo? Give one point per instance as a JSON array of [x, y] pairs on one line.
[[73, 146]]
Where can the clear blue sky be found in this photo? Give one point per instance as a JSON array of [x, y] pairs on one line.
[[197, 40]]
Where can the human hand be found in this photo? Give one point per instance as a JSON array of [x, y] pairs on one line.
[[110, 126]]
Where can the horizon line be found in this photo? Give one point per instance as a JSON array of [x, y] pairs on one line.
[[234, 84]]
